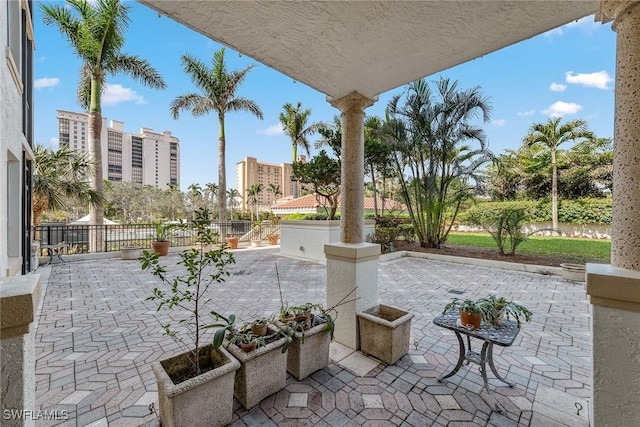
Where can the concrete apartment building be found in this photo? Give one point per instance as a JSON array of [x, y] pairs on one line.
[[148, 157], [250, 171]]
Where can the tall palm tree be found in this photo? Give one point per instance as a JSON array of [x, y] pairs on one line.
[[252, 197], [218, 88], [550, 136], [95, 31], [275, 189], [232, 197], [211, 190], [294, 123], [59, 177]]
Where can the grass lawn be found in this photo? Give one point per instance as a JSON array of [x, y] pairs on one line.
[[581, 250]]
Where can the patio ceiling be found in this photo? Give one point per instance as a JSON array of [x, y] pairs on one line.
[[338, 47]]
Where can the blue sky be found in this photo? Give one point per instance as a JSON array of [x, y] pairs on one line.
[[566, 72]]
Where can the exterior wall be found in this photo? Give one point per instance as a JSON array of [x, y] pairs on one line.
[[306, 239], [16, 134], [118, 162], [250, 171]]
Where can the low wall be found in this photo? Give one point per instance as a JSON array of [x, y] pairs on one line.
[[306, 238], [589, 231]]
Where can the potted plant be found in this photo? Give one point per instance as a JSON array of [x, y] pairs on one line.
[[273, 238], [256, 234], [470, 312], [130, 252], [385, 332], [232, 241], [495, 309], [259, 326], [195, 387], [161, 243], [274, 223], [311, 330]]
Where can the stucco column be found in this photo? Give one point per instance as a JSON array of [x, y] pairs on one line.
[[19, 297], [352, 264], [614, 290]]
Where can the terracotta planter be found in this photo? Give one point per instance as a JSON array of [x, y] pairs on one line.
[[259, 330], [273, 239], [385, 332], [262, 372], [204, 400], [232, 242], [311, 353], [470, 319], [162, 248]]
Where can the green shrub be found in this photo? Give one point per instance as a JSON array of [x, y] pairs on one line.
[[581, 211]]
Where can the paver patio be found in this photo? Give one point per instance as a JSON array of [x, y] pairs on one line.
[[97, 336]]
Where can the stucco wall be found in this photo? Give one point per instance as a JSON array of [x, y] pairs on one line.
[[306, 239]]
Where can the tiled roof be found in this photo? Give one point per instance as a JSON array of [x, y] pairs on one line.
[[312, 201]]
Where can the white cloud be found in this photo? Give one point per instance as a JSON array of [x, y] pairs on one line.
[[560, 109], [599, 79], [54, 142], [273, 130], [499, 123], [557, 87], [115, 94], [526, 113], [46, 82]]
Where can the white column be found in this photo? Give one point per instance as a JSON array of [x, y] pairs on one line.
[[352, 267], [614, 290], [19, 297]]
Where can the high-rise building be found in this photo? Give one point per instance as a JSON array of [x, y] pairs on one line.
[[250, 171], [148, 157]]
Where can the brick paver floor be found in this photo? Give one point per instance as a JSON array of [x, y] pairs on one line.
[[97, 335]]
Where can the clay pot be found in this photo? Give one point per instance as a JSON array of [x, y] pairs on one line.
[[162, 248], [259, 330], [470, 319], [232, 242], [247, 348]]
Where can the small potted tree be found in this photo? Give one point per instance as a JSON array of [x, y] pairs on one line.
[[161, 243], [470, 312], [232, 241], [195, 387]]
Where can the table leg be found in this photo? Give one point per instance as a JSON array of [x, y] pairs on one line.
[[493, 368], [460, 358], [50, 253], [487, 356]]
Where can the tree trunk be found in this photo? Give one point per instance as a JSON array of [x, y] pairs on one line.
[[294, 181], [554, 190], [96, 212], [375, 193], [222, 172]]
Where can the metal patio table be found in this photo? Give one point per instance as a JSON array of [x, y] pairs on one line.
[[502, 335]]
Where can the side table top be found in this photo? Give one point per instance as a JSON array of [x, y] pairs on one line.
[[502, 335]]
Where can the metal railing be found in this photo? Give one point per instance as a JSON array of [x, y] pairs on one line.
[[117, 236]]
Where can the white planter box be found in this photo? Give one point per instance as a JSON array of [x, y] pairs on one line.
[[262, 372], [305, 358], [204, 400], [130, 253], [306, 238], [385, 332]]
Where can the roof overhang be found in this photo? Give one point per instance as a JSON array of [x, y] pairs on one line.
[[338, 47]]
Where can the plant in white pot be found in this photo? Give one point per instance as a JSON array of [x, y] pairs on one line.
[[195, 387]]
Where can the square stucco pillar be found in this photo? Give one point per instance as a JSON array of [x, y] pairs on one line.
[[352, 282], [19, 297], [615, 327]]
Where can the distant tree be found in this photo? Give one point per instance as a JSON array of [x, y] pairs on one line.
[[376, 156], [232, 196], [275, 189], [252, 197], [549, 136], [59, 176], [95, 31], [294, 123], [323, 174], [218, 92]]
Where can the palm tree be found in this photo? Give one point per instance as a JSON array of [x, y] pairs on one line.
[[232, 197], [211, 191], [550, 136], [294, 124], [275, 189], [58, 177], [218, 88], [95, 31], [252, 197]]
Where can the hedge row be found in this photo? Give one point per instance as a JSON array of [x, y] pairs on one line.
[[580, 211]]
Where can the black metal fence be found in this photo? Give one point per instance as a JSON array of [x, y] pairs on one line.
[[117, 236]]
